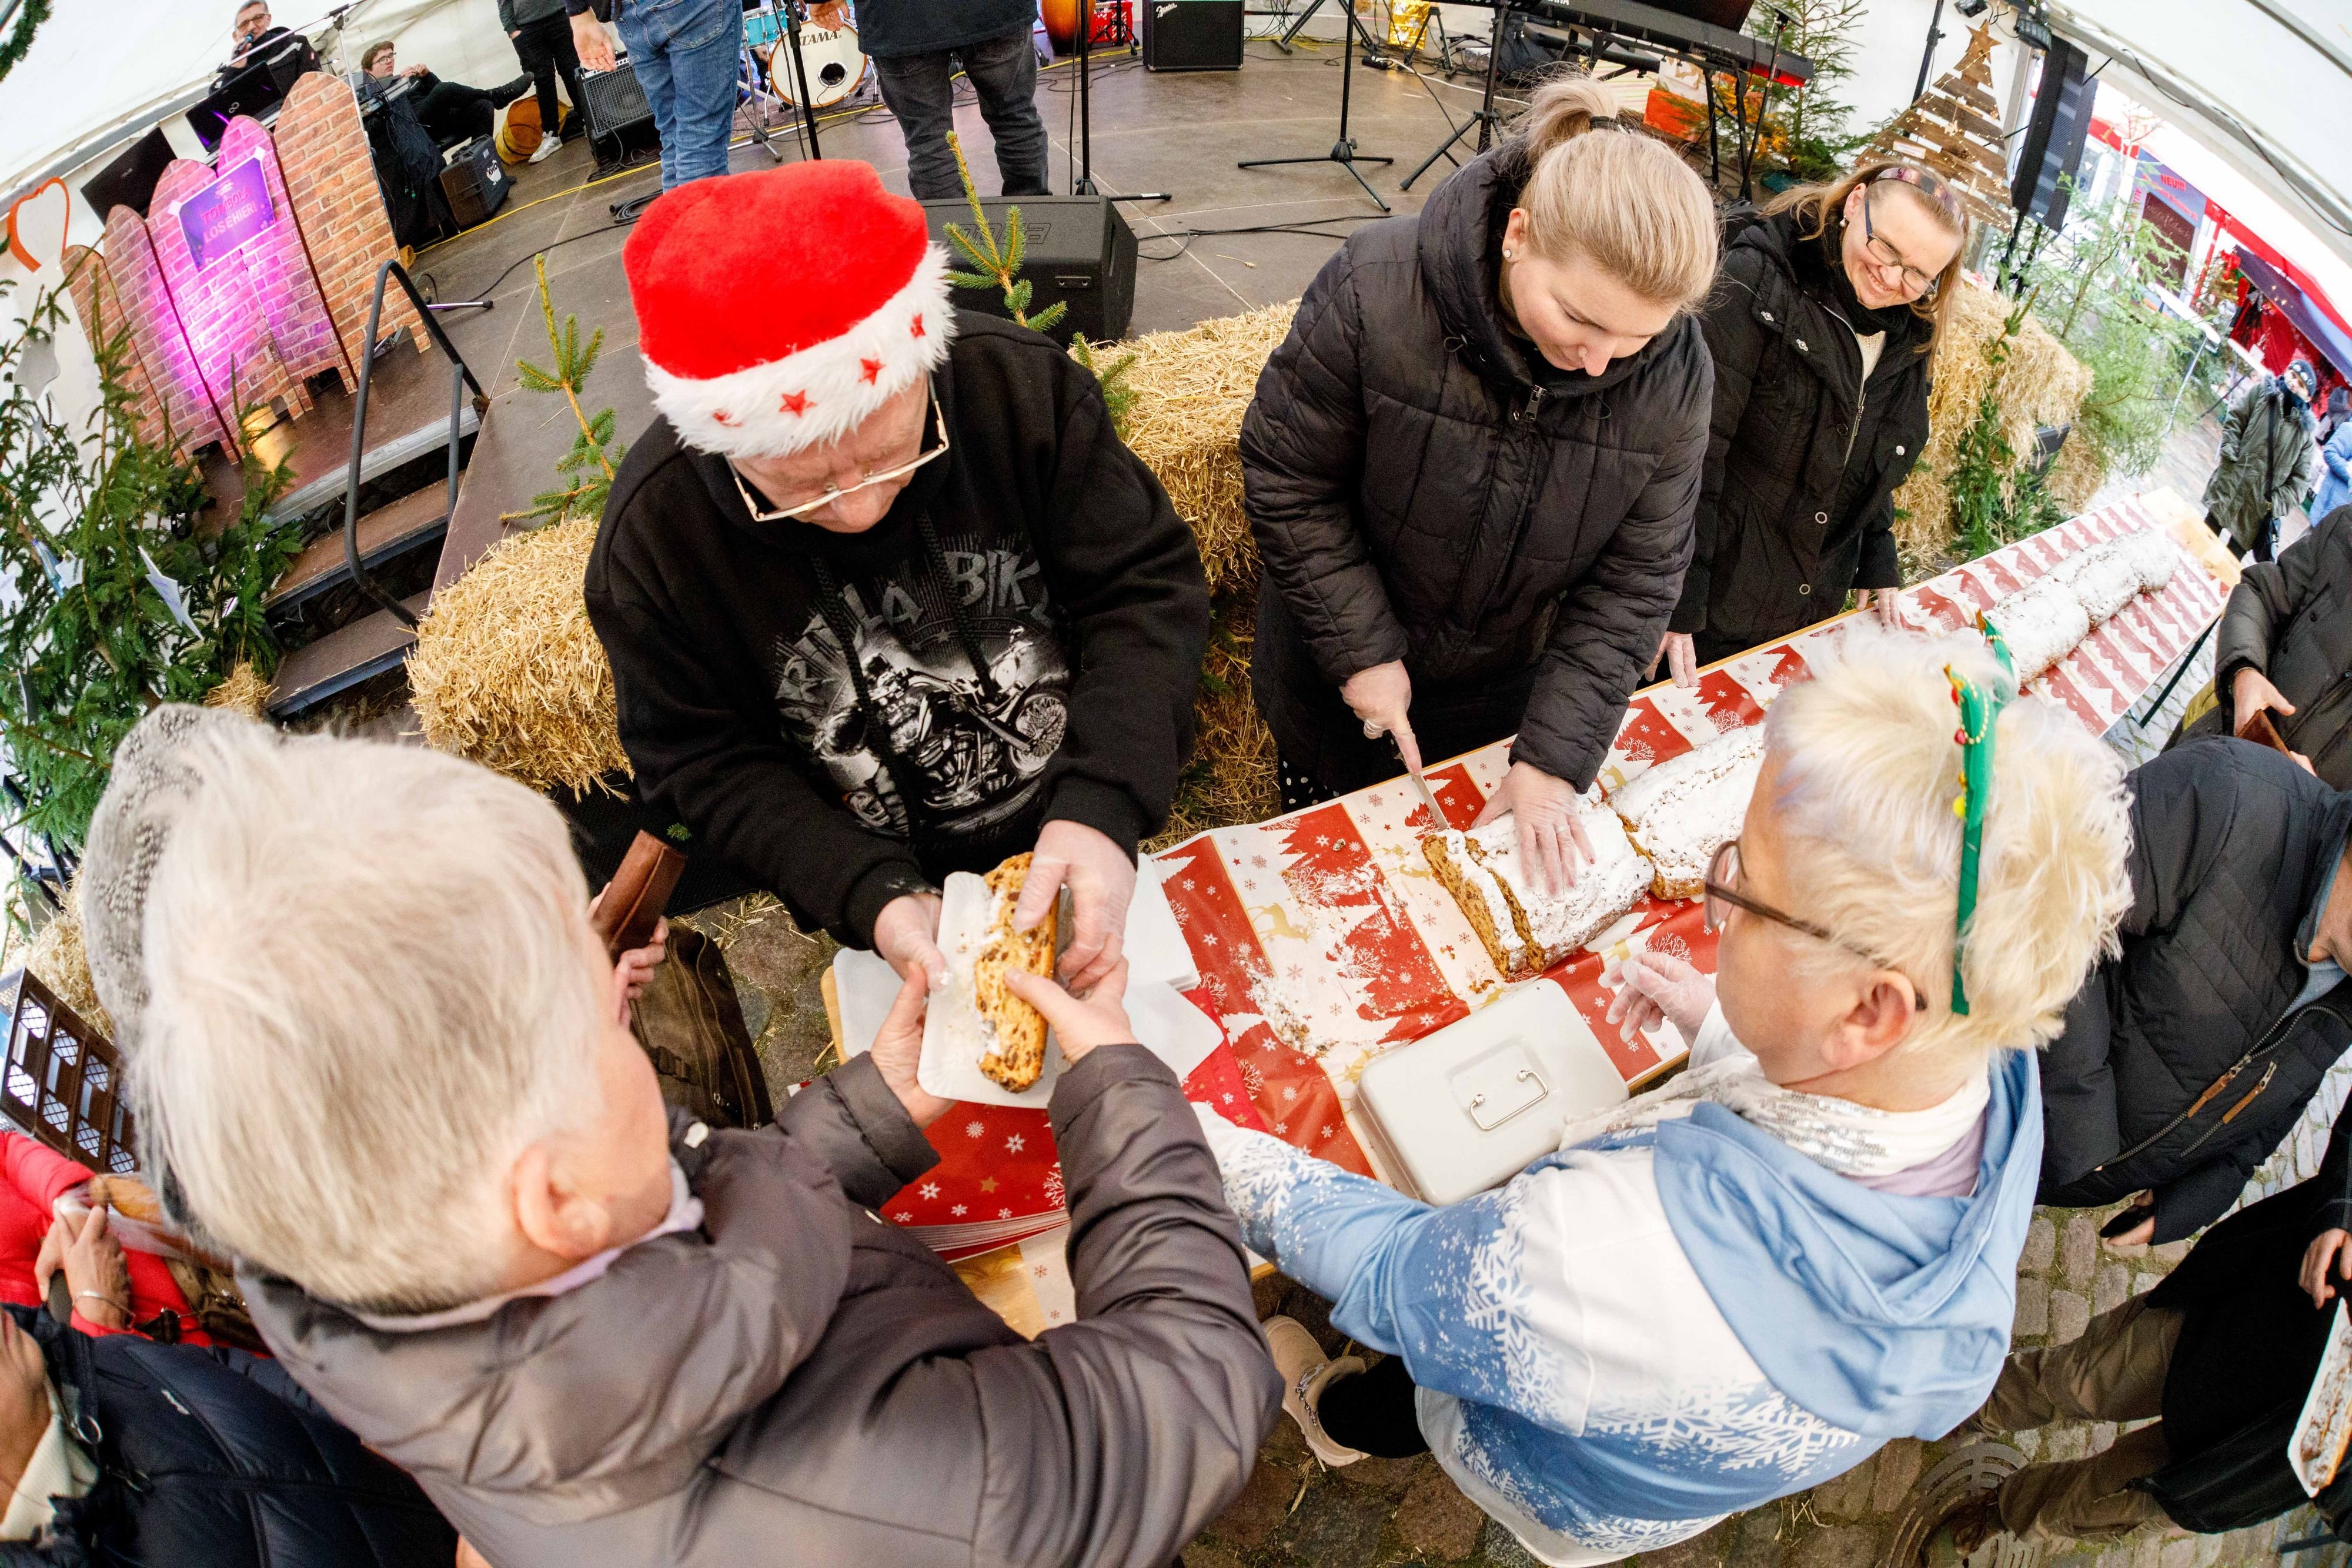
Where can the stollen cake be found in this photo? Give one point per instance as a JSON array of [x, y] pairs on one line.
[[1682, 810], [2104, 580], [2040, 624], [1525, 931], [1014, 1031], [2152, 554]]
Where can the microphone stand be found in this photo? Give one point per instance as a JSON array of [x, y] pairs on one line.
[[1343, 152], [1084, 183], [800, 76]]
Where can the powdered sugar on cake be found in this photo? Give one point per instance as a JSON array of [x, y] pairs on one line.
[[1681, 812]]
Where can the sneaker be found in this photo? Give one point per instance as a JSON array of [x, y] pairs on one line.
[[548, 148], [1305, 1373]]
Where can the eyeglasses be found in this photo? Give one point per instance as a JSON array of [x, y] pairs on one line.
[[1721, 899], [1886, 258], [833, 492]]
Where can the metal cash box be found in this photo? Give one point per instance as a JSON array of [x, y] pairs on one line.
[[1472, 1104]]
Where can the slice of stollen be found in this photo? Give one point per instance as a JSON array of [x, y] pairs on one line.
[[1681, 810], [1524, 929]]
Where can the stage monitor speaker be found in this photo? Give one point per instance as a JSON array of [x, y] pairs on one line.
[[476, 182], [129, 181], [1193, 35], [2053, 151], [1080, 254]]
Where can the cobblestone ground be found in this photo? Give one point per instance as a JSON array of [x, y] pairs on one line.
[[1378, 1513]]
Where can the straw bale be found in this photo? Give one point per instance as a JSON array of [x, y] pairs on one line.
[[2041, 383], [508, 671], [1192, 389], [243, 690], [59, 960], [1232, 776]]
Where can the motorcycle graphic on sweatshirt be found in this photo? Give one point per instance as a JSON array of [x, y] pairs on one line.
[[974, 748]]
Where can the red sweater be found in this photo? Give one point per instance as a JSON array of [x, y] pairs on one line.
[[31, 1178]]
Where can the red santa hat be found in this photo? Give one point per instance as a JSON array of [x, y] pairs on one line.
[[778, 309]]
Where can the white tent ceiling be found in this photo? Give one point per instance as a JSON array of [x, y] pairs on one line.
[[100, 66], [2263, 85]]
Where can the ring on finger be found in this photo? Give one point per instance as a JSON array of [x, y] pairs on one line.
[[1373, 731]]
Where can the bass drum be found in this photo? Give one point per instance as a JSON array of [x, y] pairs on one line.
[[1061, 17], [835, 65]]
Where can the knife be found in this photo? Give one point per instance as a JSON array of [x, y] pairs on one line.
[[1421, 786]]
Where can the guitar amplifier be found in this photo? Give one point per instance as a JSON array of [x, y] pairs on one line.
[[476, 182], [1080, 252], [1193, 35], [615, 102]]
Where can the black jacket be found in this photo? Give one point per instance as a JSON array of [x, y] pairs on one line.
[[2250, 1344], [1028, 624], [2180, 1066], [802, 1382], [889, 28], [2292, 620], [214, 1459], [1802, 458], [1424, 486]]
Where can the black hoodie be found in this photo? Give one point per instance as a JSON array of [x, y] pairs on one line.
[[1028, 623]]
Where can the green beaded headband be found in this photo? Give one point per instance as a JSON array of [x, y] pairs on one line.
[[1979, 711]]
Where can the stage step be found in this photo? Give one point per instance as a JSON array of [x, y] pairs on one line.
[[412, 520], [341, 660]]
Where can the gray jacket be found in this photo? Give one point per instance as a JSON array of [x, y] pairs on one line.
[[799, 1381], [2270, 448]]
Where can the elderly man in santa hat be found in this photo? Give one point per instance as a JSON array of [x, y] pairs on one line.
[[885, 597]]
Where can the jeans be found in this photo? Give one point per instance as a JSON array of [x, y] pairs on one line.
[[920, 92], [546, 50], [686, 53]]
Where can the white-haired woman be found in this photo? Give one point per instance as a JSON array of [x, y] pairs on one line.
[[384, 1060], [1738, 1285]]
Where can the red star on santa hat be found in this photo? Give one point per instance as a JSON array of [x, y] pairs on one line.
[[793, 403], [917, 329], [871, 371]]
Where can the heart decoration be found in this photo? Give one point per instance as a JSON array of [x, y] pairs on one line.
[[36, 225]]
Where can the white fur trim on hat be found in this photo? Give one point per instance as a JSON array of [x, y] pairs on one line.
[[823, 391]]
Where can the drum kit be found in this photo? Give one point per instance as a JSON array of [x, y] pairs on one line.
[[834, 65]]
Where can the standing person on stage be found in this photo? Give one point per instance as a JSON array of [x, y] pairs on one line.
[[685, 53], [1734, 1287], [885, 597], [2270, 449], [1471, 468], [542, 42], [917, 45], [1823, 334]]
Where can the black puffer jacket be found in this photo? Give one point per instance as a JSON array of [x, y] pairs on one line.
[[2292, 620], [2181, 1065], [1802, 456], [1424, 487], [214, 1459]]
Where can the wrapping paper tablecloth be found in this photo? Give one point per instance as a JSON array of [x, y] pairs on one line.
[[1323, 939]]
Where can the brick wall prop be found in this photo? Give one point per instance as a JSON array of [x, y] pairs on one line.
[[157, 333], [278, 266], [329, 174], [98, 305], [219, 308]]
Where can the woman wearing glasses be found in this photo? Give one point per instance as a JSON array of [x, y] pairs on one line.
[[1822, 332], [884, 594], [1741, 1283]]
